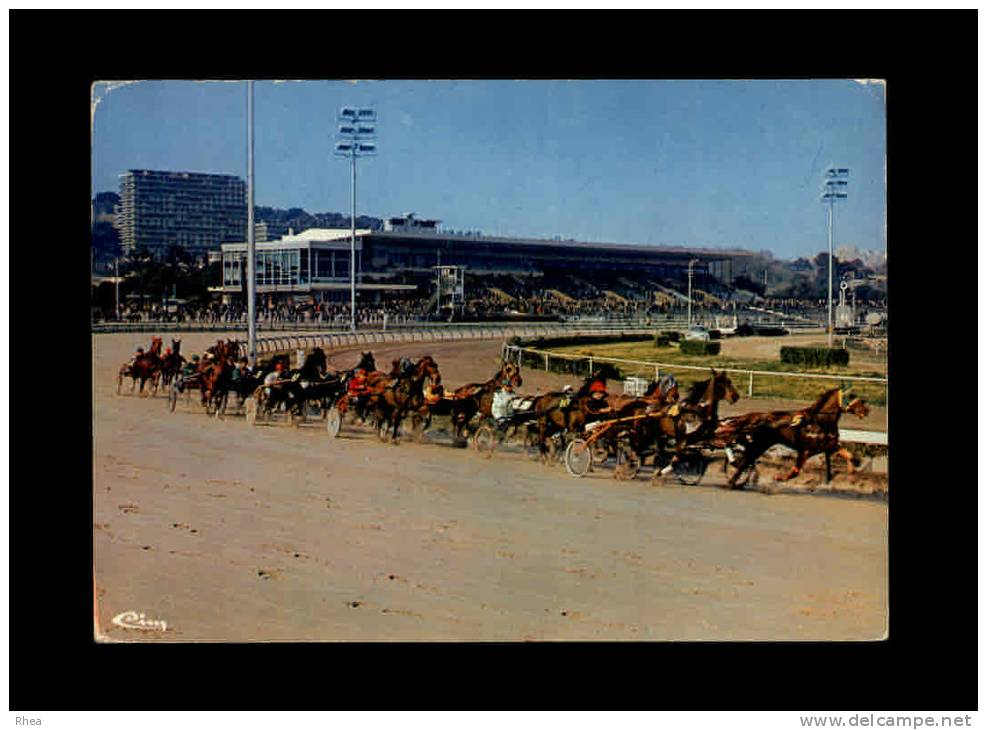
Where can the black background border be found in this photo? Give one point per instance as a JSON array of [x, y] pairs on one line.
[[929, 661]]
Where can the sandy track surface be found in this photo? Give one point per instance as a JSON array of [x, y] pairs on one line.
[[232, 533]]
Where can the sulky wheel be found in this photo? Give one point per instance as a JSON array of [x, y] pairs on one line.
[[250, 410], [334, 422], [690, 468], [578, 458], [628, 463], [485, 440], [173, 396]]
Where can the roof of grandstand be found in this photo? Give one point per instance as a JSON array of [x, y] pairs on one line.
[[637, 247]]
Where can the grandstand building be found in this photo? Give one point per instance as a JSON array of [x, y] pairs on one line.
[[402, 257]]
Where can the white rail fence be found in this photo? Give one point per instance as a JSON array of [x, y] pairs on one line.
[[514, 353]]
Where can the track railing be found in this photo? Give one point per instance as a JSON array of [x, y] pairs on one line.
[[336, 340], [655, 324], [513, 352]]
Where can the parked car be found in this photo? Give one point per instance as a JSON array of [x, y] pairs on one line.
[[697, 333]]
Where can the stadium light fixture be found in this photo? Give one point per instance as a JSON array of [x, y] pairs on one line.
[[355, 138], [834, 190]]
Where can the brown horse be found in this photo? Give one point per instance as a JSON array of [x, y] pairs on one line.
[[810, 431], [662, 392], [394, 397], [477, 398], [686, 422], [568, 413], [172, 362], [144, 368], [215, 370]]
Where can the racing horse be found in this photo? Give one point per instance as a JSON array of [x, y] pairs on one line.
[[686, 422], [393, 399], [144, 368], [354, 386], [810, 431], [215, 371], [477, 398], [307, 383], [661, 392], [564, 412], [172, 362]]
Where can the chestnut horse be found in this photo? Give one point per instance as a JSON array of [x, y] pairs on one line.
[[144, 368], [215, 371], [474, 398], [685, 422], [393, 398], [172, 362], [559, 411], [810, 431]]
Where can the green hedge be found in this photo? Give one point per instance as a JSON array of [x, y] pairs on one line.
[[770, 331], [819, 357], [662, 341], [699, 347]]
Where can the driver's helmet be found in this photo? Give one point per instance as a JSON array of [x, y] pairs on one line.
[[195, 358], [567, 389], [140, 349]]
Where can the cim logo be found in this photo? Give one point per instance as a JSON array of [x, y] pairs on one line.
[[135, 620]]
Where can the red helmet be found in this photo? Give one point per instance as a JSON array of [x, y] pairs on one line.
[[597, 386]]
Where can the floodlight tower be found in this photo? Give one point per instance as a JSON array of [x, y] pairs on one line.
[[251, 279], [355, 138], [834, 189]]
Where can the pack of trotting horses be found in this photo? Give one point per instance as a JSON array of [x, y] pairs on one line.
[[585, 428]]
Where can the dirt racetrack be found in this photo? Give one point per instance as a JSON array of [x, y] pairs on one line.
[[232, 533]]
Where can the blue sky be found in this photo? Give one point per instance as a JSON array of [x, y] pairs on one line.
[[698, 163]]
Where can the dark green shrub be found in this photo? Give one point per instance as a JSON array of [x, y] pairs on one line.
[[672, 335], [771, 331], [662, 341], [744, 330], [818, 357], [547, 343], [699, 347]]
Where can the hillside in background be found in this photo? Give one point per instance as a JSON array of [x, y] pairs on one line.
[[299, 219]]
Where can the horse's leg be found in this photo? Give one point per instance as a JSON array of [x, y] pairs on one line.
[[851, 460], [397, 417], [752, 452], [797, 469], [829, 469], [680, 443], [543, 424]]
